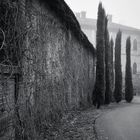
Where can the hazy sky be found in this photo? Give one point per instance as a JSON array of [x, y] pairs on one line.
[[125, 12]]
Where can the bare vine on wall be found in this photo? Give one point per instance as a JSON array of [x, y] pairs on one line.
[[11, 56], [11, 39]]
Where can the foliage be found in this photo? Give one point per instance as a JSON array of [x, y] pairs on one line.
[[118, 72], [107, 64], [128, 73], [99, 90], [111, 68]]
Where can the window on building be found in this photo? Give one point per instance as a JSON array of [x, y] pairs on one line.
[[135, 45], [134, 68]]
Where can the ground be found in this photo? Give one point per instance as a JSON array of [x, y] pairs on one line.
[[76, 125], [114, 122], [121, 123]]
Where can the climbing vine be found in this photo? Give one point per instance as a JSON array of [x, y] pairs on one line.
[[11, 39]]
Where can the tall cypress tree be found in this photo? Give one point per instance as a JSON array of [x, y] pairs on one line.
[[107, 64], [111, 68], [118, 72], [99, 90], [128, 73]]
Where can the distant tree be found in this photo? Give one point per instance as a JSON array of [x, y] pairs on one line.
[[118, 72], [128, 73], [107, 64], [99, 90], [111, 68]]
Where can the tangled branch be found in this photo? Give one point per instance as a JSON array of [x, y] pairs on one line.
[[3, 42]]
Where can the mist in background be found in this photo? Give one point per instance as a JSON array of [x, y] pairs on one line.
[[126, 12]]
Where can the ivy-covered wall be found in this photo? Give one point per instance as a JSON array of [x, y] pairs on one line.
[[58, 69]]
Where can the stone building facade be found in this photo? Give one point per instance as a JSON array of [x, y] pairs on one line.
[[89, 28]]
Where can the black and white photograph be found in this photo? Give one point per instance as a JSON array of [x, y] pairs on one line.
[[69, 70]]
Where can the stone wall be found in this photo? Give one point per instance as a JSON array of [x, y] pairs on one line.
[[58, 69]]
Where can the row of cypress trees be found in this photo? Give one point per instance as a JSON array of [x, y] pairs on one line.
[[104, 85]]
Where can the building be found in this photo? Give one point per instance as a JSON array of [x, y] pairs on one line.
[[88, 25]]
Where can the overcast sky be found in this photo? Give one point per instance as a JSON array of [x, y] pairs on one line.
[[125, 12]]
